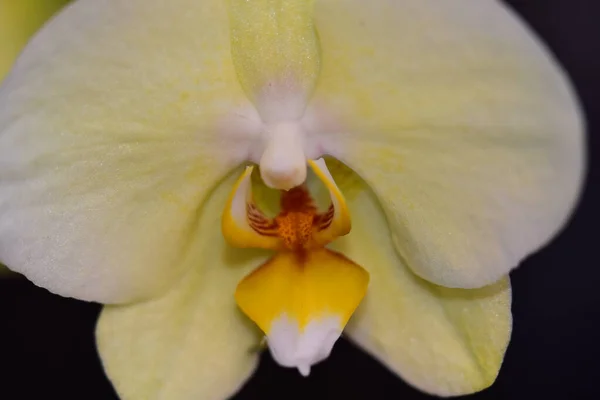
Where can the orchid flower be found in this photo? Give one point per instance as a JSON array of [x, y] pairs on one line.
[[226, 173]]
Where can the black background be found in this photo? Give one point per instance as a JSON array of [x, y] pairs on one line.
[[47, 342]]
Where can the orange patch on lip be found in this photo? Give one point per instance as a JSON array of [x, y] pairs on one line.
[[297, 221]]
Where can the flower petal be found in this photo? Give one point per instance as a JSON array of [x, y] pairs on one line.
[[459, 120], [114, 126], [18, 21], [191, 343], [442, 341]]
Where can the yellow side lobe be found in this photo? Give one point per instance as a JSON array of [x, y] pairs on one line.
[[275, 52], [303, 287], [239, 210], [338, 223]]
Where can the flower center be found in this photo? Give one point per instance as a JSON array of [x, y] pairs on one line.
[[296, 224], [305, 294]]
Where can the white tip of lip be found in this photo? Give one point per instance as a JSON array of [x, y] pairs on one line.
[[304, 370], [301, 349]]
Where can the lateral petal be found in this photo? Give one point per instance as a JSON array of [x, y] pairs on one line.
[[114, 126], [460, 121]]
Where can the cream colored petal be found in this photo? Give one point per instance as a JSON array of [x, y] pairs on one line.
[[114, 125], [193, 342], [460, 121], [18, 21], [442, 341]]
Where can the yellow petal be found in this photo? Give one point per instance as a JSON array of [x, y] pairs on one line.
[[114, 126], [443, 341], [275, 50], [18, 21], [302, 301], [459, 120], [191, 343]]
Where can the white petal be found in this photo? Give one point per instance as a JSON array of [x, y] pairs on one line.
[[459, 120], [113, 128]]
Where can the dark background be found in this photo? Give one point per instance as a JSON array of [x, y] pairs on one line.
[[47, 345]]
